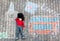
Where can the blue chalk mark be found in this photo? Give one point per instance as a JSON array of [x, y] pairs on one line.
[[42, 27], [43, 19], [30, 7]]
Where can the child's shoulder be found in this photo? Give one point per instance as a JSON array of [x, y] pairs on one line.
[[17, 19]]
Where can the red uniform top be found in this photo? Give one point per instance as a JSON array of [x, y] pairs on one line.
[[19, 22]]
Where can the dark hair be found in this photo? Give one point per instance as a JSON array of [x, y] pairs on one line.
[[20, 15]]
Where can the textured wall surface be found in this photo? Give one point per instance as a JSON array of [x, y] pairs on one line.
[[39, 8]]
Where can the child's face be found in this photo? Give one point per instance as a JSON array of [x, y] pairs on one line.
[[20, 19]]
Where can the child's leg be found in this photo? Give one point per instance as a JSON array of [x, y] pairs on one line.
[[21, 32], [17, 32]]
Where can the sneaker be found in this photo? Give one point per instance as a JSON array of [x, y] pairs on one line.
[[17, 38], [23, 38]]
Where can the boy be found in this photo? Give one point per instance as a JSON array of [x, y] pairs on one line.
[[19, 25]]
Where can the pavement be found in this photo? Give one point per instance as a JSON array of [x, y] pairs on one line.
[[19, 6]]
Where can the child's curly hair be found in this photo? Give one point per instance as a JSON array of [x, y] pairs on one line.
[[20, 15]]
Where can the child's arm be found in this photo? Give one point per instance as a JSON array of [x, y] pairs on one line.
[[16, 19], [23, 25]]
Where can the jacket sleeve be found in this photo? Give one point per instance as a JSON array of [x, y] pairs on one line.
[[16, 19], [23, 24]]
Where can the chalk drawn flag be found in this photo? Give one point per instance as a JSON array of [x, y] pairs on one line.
[[31, 7]]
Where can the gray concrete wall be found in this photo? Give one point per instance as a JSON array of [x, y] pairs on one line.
[[6, 24]]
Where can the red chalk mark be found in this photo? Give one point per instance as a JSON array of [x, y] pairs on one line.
[[43, 31], [30, 7]]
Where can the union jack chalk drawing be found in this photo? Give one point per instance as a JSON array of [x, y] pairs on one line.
[[31, 7]]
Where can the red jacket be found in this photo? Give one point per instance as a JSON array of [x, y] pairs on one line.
[[19, 22]]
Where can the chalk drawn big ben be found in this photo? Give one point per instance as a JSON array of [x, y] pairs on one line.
[[10, 16]]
